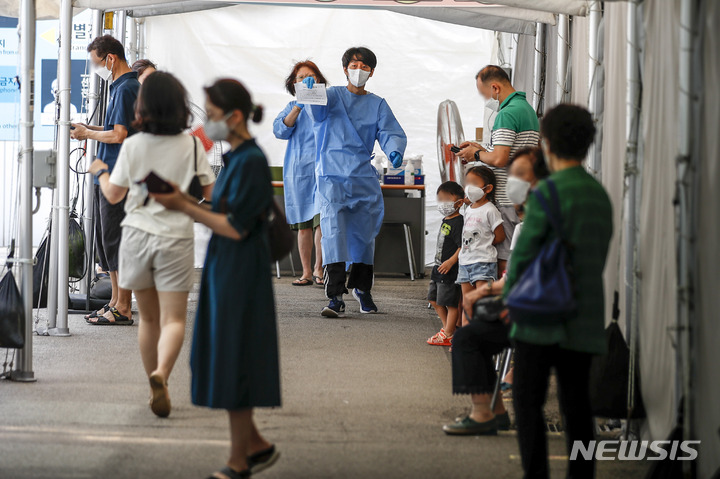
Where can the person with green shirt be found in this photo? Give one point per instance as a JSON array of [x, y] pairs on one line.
[[567, 132], [514, 127]]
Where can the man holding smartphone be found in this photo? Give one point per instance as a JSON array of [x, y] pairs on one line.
[[107, 57], [515, 126]]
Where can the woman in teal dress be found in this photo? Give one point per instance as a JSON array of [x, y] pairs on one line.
[[234, 358]]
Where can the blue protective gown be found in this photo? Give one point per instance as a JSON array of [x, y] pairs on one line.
[[348, 192], [299, 165]]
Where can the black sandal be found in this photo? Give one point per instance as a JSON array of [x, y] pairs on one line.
[[262, 460], [302, 282], [97, 313], [118, 320], [227, 471]]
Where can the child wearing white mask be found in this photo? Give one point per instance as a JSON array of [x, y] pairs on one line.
[[481, 232]]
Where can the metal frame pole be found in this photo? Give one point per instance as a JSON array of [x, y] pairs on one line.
[[132, 42], [24, 370], [562, 57], [94, 110], [63, 169], [539, 71], [595, 76], [685, 217]]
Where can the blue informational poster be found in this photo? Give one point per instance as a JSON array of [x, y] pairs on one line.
[[46, 67]]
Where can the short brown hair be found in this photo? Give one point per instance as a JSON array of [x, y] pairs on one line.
[[141, 65], [290, 81], [105, 45], [162, 105]]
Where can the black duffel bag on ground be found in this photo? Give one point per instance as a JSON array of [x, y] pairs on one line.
[[12, 314]]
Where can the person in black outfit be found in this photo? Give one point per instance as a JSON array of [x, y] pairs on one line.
[[475, 345], [443, 293]]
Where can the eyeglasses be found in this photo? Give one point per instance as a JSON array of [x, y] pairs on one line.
[[299, 79]]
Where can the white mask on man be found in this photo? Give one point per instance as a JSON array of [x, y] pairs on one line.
[[104, 72], [358, 77], [517, 190], [493, 104]]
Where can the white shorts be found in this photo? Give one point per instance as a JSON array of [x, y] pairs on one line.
[[148, 261]]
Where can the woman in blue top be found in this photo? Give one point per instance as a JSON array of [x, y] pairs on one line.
[[234, 358], [348, 190], [294, 124]]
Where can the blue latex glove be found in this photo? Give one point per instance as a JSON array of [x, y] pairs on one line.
[[309, 82], [396, 159], [300, 105]]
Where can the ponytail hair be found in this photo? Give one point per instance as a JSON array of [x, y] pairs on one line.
[[229, 95]]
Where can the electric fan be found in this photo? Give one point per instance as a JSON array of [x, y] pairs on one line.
[[449, 132], [212, 148]]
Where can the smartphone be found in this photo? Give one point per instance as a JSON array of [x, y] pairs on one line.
[[455, 149], [155, 184]]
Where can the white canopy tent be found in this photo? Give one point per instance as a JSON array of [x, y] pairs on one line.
[[662, 174]]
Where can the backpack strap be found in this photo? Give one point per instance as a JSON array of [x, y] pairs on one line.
[[195, 151], [551, 211]]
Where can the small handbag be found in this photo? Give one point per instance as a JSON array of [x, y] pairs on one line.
[[196, 189], [544, 293], [280, 236], [490, 309]]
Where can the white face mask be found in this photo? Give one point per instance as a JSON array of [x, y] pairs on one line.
[[517, 190], [104, 72], [493, 104], [474, 193], [446, 208], [218, 130], [358, 77]]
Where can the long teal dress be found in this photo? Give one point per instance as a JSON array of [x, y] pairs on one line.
[[234, 357]]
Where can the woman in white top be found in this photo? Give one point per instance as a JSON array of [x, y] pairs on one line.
[[156, 249]]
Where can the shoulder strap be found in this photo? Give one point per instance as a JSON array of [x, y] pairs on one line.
[[195, 152], [552, 212]]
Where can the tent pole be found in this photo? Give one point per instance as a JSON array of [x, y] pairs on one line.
[[539, 73], [685, 225], [121, 27], [91, 146], [63, 169], [24, 370], [141, 37], [562, 57], [596, 78], [631, 167], [132, 42]]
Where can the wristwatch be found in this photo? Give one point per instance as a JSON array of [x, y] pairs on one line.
[[102, 172], [477, 155]]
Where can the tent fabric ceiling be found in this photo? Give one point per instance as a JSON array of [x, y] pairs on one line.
[[512, 16]]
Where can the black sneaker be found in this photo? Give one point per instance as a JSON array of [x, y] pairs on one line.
[[467, 427], [335, 309], [367, 305]]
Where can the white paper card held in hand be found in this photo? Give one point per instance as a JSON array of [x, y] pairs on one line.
[[315, 96]]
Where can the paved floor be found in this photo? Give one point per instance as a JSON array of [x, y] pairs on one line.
[[363, 397]]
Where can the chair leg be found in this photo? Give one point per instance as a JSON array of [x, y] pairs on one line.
[[292, 265], [411, 256], [277, 268], [504, 363]]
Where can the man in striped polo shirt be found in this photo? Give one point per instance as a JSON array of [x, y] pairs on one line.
[[516, 126]]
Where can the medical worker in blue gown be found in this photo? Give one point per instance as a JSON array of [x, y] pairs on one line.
[[294, 124], [348, 191]]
